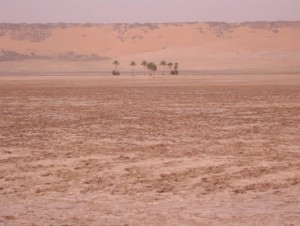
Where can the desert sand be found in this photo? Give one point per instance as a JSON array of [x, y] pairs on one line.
[[217, 145], [186, 150], [258, 47]]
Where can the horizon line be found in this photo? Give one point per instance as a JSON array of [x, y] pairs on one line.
[[182, 22]]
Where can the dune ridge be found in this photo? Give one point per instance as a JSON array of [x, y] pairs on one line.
[[197, 46]]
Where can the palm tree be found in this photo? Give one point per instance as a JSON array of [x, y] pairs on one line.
[[163, 64], [175, 71], [170, 66], [116, 63], [144, 63], [176, 66], [151, 67], [116, 72], [132, 64]]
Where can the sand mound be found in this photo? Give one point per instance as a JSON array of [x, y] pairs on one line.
[[197, 46]]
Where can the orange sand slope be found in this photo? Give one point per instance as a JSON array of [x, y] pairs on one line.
[[196, 46]]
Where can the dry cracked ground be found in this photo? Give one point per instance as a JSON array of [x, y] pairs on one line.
[[206, 150]]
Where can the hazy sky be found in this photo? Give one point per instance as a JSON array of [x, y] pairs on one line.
[[130, 11]]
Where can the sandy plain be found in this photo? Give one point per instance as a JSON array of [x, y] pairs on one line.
[[186, 150]]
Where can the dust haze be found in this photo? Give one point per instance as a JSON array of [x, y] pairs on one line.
[[216, 144]]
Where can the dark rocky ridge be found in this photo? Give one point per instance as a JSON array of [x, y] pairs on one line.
[[7, 55]]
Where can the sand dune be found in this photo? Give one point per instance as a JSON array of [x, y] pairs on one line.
[[197, 46]]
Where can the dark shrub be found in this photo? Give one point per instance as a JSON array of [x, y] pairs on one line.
[[174, 72], [115, 72]]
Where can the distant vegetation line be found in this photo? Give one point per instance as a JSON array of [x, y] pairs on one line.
[[7, 55], [141, 72], [149, 66]]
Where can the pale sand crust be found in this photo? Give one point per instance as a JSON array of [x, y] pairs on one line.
[[193, 150]]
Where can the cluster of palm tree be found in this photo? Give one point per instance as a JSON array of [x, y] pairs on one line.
[[150, 66], [173, 70]]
